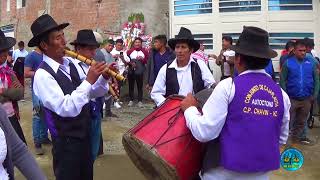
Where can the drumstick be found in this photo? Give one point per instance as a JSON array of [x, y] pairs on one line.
[[90, 62]]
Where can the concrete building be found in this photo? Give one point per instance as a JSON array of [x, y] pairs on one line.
[[209, 20], [105, 16]]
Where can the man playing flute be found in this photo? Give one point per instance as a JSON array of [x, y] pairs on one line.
[[65, 93]]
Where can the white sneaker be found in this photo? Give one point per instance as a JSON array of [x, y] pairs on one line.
[[140, 105], [130, 103], [117, 105], [104, 106]]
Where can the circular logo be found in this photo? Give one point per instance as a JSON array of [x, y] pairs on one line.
[[291, 159]]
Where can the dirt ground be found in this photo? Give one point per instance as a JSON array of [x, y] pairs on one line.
[[115, 164]]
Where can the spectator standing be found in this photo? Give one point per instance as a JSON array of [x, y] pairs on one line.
[[159, 56], [226, 58], [138, 58], [300, 79]]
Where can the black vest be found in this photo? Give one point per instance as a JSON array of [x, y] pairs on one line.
[[172, 85], [78, 126]]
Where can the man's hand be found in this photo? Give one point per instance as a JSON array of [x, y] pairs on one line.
[[188, 102], [148, 88], [16, 84], [95, 71], [139, 57], [133, 64], [116, 56], [213, 56]]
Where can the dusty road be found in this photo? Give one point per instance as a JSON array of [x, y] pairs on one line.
[[115, 164]]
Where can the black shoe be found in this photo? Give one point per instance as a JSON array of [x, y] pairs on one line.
[[110, 114], [307, 141], [46, 141], [38, 149]]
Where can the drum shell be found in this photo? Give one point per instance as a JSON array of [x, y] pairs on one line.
[[163, 141]]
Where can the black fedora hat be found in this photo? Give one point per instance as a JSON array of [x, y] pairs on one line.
[[42, 25], [185, 35], [85, 37], [254, 41], [6, 42]]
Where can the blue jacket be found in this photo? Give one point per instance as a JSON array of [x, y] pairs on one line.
[[300, 77]]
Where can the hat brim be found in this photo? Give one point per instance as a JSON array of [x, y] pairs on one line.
[[36, 39], [193, 43], [267, 53], [75, 42], [10, 43]]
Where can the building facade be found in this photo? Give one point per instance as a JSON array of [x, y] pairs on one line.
[[104, 16], [209, 20]]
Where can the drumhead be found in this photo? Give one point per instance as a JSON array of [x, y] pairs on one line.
[[203, 96]]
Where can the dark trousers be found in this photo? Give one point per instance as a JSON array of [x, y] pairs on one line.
[[72, 158], [299, 113], [132, 78], [108, 101], [16, 126]]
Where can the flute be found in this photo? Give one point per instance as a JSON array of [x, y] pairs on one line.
[[90, 62]]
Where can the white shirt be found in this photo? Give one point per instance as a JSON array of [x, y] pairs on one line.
[[314, 53], [3, 154], [51, 95], [184, 79], [121, 65], [227, 69], [17, 53], [208, 126], [136, 54]]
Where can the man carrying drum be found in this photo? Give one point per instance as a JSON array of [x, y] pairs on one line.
[[184, 74], [249, 115], [65, 93]]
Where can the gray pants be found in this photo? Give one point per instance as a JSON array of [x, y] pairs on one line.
[[108, 101], [299, 113]]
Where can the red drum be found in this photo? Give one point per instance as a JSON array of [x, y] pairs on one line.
[[162, 146]]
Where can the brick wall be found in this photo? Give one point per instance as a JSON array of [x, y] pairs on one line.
[[101, 15], [21, 18]]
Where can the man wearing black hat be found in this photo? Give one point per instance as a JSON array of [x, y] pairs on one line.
[[184, 74], [86, 45], [248, 115], [65, 93]]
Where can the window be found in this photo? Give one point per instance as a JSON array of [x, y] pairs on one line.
[[235, 36], [8, 5], [207, 40], [190, 7], [279, 40], [237, 6], [8, 31], [282, 5], [21, 4]]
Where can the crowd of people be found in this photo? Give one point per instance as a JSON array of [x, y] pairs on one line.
[[70, 98]]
